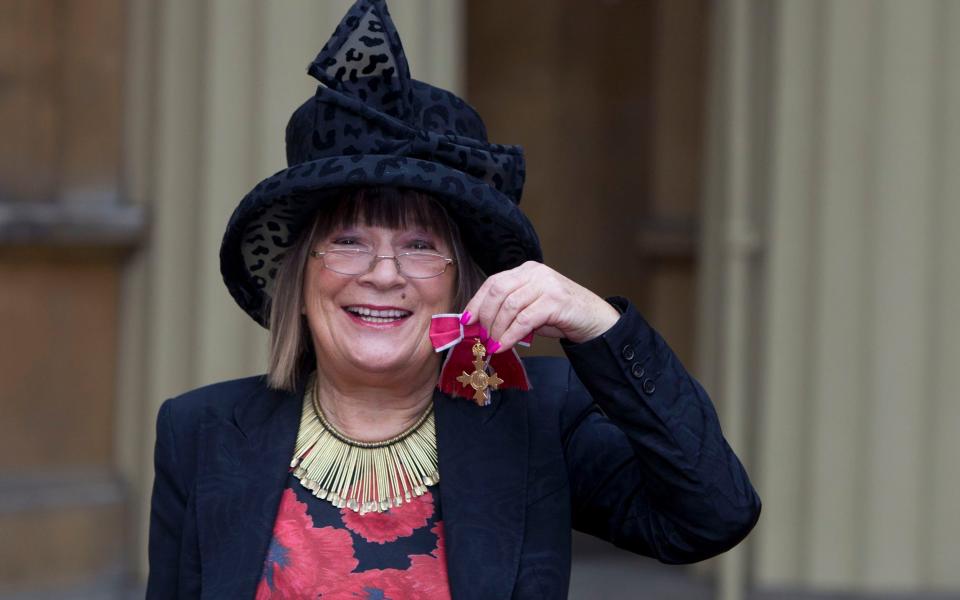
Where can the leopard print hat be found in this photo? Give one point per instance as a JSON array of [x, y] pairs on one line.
[[370, 124]]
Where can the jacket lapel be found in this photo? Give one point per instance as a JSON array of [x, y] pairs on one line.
[[244, 465], [483, 471]]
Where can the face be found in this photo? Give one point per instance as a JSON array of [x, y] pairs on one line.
[[351, 343]]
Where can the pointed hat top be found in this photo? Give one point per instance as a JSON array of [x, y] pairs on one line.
[[364, 58]]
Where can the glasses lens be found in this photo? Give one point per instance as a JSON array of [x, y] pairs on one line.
[[421, 265], [347, 262]]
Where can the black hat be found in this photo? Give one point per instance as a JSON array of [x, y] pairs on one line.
[[370, 124]]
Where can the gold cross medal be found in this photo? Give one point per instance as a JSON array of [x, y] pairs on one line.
[[480, 380]]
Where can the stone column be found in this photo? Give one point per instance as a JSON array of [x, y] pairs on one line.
[[847, 150]]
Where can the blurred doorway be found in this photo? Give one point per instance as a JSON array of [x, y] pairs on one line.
[[608, 99]]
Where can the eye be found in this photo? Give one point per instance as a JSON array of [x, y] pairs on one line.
[[345, 241], [421, 245]]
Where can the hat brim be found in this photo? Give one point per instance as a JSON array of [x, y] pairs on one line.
[[268, 220]]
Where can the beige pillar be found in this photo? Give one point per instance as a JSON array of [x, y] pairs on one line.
[[212, 85], [852, 170], [728, 303]]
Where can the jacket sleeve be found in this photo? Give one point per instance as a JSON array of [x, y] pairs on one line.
[[167, 509], [648, 466]]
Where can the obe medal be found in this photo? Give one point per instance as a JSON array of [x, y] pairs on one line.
[[479, 379]]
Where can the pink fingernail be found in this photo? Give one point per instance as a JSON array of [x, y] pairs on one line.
[[484, 333], [465, 318], [493, 346]]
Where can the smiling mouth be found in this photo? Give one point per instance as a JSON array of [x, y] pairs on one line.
[[377, 317]]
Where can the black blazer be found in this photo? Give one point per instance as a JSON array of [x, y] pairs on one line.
[[625, 445]]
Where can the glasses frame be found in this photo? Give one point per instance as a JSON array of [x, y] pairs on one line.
[[374, 258]]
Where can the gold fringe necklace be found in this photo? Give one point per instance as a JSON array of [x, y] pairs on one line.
[[363, 476]]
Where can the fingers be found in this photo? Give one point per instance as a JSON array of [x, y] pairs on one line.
[[485, 304], [506, 296], [533, 297], [510, 307], [532, 316]]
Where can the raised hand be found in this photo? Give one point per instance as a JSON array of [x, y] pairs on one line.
[[535, 298]]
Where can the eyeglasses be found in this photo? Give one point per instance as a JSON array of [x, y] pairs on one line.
[[356, 261]]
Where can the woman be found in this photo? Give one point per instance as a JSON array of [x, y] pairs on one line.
[[397, 447]]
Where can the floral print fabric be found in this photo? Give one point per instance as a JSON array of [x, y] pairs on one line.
[[319, 551]]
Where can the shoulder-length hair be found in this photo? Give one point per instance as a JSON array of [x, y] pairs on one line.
[[291, 354]]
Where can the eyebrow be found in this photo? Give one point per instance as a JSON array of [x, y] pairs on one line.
[[360, 228], [421, 233], [401, 235]]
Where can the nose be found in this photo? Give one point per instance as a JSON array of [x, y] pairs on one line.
[[384, 273]]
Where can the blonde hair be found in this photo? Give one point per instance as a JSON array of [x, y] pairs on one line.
[[291, 354]]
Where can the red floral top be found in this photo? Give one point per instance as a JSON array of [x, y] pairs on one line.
[[319, 551]]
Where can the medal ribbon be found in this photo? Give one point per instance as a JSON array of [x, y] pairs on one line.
[[446, 332]]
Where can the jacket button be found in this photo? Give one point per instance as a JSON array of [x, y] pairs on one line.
[[637, 371], [648, 386], [627, 352]]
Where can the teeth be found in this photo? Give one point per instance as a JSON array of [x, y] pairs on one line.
[[378, 319], [380, 315]]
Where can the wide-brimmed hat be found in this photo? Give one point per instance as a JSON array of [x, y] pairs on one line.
[[370, 124]]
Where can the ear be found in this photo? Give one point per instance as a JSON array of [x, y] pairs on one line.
[[364, 58]]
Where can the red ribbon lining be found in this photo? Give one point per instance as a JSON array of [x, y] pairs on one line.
[[446, 332]]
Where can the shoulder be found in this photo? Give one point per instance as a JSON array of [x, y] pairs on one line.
[[219, 398], [555, 389], [181, 421]]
